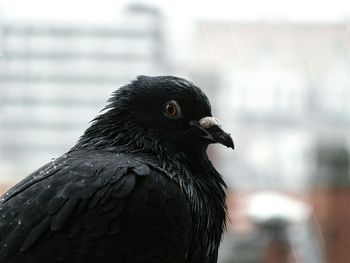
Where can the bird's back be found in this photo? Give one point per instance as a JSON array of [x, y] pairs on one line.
[[95, 207]]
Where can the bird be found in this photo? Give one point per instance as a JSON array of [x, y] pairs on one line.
[[138, 185]]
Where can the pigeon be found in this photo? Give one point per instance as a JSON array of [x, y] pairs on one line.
[[138, 186]]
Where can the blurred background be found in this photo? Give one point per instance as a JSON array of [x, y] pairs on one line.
[[276, 72]]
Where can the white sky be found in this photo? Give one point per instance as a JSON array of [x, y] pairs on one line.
[[106, 10]]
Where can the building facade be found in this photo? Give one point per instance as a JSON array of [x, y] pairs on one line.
[[54, 78]]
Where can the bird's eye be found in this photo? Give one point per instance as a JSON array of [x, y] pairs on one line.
[[172, 110]]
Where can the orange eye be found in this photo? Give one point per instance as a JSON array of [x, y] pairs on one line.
[[172, 110]]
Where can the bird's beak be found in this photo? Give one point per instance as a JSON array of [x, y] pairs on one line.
[[212, 131]]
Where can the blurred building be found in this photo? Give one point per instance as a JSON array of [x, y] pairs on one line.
[[283, 87], [284, 93], [55, 77]]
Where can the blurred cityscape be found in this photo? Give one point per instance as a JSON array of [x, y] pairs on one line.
[[280, 87]]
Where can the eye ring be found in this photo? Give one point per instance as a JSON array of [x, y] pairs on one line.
[[172, 110]]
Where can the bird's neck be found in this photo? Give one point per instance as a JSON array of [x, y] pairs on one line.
[[188, 166]]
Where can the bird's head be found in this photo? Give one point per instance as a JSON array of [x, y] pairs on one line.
[[165, 109]]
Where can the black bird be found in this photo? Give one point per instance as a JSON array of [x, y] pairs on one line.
[[137, 187]]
